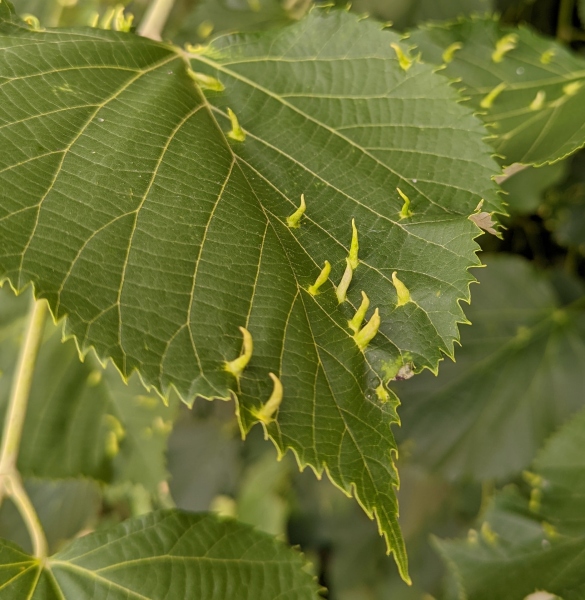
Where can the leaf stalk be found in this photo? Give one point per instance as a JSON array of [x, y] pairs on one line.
[[10, 479]]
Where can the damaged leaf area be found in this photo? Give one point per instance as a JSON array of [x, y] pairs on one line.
[[153, 209], [484, 221]]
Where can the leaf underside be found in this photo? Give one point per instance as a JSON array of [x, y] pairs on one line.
[[165, 554], [538, 116], [125, 204]]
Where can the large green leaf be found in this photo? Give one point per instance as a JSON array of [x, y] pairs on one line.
[[82, 420], [531, 545], [531, 92], [518, 375], [123, 202], [166, 554]]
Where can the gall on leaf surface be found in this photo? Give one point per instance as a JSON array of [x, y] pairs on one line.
[[127, 206]]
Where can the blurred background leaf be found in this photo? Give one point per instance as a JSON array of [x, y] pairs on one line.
[[213, 17], [65, 508], [486, 415], [533, 540]]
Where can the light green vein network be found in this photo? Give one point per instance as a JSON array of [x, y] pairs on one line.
[[126, 205]]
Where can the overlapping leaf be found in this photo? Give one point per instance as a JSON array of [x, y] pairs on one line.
[[213, 17], [162, 555], [530, 89], [82, 420], [533, 545], [124, 203], [518, 375]]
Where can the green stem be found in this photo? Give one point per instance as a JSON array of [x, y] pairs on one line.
[[155, 19], [10, 481]]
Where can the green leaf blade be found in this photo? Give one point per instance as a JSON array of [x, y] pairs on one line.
[[159, 238]]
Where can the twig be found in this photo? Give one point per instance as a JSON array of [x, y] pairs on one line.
[[155, 19]]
